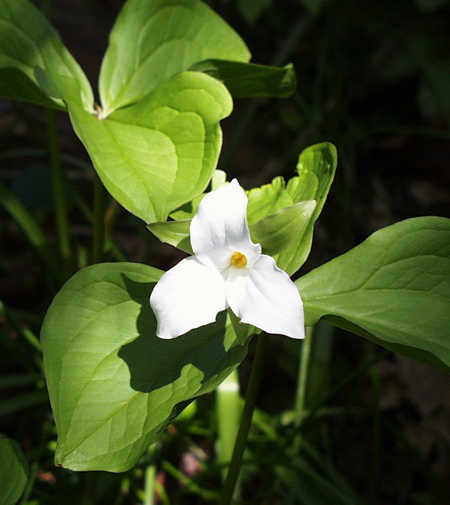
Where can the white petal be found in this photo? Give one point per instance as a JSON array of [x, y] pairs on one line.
[[187, 296], [265, 297], [220, 226]]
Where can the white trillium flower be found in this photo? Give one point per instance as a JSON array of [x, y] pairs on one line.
[[227, 270]]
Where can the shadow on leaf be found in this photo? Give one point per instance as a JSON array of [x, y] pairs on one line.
[[153, 362]]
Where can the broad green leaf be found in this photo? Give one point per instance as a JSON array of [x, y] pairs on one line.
[[176, 233], [34, 64], [13, 472], [246, 80], [153, 40], [316, 168], [156, 155], [394, 288], [279, 230], [114, 386]]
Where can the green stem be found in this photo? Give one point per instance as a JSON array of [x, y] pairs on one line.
[[246, 420], [58, 179], [300, 401], [98, 243], [59, 189], [30, 483], [229, 410]]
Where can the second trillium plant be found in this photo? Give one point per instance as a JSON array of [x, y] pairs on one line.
[[227, 271]]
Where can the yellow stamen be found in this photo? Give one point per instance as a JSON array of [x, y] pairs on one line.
[[238, 259]]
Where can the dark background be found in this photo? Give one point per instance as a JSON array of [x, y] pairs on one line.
[[374, 79]]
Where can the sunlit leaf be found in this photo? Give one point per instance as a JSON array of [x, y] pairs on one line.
[[279, 230], [156, 155], [394, 288], [153, 40], [316, 168], [114, 386]]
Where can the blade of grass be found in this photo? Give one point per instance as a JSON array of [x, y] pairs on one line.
[[30, 228], [12, 381], [189, 484], [22, 402]]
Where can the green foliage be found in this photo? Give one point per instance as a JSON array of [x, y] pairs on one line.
[[245, 80], [176, 233], [114, 386], [160, 153], [153, 40], [13, 472], [279, 231], [316, 168], [34, 64], [281, 217], [393, 289]]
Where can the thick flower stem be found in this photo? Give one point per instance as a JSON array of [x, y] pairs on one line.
[[300, 400], [246, 420], [98, 242]]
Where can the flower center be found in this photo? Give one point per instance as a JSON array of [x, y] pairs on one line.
[[238, 260]]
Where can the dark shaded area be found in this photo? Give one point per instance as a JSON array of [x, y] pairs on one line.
[[154, 362], [373, 78]]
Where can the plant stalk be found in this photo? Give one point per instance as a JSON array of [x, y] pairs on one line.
[[246, 420], [58, 180], [300, 401], [98, 243]]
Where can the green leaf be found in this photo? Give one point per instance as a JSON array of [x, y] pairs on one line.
[[153, 40], [394, 289], [267, 199], [34, 64], [316, 168], [176, 233], [246, 80], [279, 230], [114, 386], [281, 217], [13, 471], [156, 155]]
